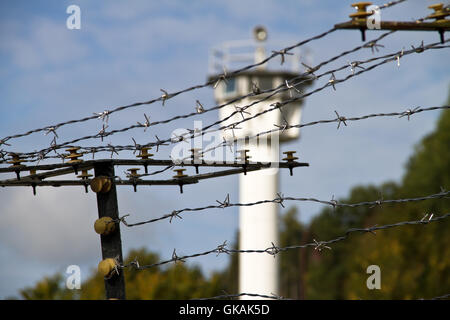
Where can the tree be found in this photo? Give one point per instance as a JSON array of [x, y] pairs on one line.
[[177, 281], [291, 262], [48, 288], [414, 261]]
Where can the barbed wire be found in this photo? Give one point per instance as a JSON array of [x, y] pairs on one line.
[[105, 115], [340, 119], [445, 296], [407, 113], [237, 295], [390, 4], [278, 105], [277, 297], [387, 58], [166, 95], [280, 200], [103, 133], [274, 250]]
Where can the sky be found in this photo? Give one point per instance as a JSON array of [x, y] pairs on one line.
[[126, 52]]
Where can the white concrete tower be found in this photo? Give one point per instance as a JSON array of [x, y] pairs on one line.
[[258, 225]]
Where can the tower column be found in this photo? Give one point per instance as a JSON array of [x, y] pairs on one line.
[[258, 273]]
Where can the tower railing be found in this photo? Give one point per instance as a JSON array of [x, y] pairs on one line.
[[232, 55]]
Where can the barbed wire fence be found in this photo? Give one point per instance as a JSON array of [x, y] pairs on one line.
[[105, 179], [277, 106]]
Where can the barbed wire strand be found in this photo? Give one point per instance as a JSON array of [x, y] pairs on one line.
[[407, 113], [167, 95], [280, 200], [445, 296], [205, 110], [105, 115], [277, 297], [237, 295], [390, 4], [274, 250], [278, 105]]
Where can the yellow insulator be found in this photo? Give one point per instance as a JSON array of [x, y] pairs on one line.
[[104, 226]]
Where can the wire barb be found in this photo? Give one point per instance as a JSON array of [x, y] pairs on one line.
[[332, 81], [398, 56], [409, 112], [222, 248], [282, 53], [104, 116], [175, 258], [51, 130], [175, 214], [354, 65], [135, 264], [3, 142], [159, 143], [225, 203], [102, 133], [320, 245], [112, 149], [122, 219], [310, 70], [165, 95], [242, 111], [283, 127], [146, 124], [371, 230], [199, 107], [373, 45], [377, 203], [340, 119], [279, 199], [333, 203], [420, 48], [427, 216], [290, 87], [222, 77], [273, 250]]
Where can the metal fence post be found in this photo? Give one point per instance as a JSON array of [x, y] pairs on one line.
[[111, 244]]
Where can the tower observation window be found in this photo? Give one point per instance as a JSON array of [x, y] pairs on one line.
[[230, 86]]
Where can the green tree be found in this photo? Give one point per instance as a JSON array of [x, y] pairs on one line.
[[292, 265], [414, 260], [48, 288], [177, 281]]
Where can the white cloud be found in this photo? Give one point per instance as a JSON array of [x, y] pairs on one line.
[[54, 226], [42, 42]]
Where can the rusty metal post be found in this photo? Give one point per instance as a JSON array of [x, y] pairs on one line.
[[111, 243]]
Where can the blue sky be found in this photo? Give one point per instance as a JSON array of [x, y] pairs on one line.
[[125, 52]]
